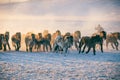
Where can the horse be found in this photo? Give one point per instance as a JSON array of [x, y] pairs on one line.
[[77, 37], [54, 37], [29, 41], [7, 39], [16, 41], [117, 35], [38, 41], [91, 42], [113, 39], [3, 42], [63, 43], [45, 41]]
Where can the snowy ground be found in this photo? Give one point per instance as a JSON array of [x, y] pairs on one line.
[[54, 66]]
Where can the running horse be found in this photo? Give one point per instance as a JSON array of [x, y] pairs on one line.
[[63, 43], [77, 37], [16, 40], [113, 39], [91, 42], [4, 41], [7, 39], [30, 41]]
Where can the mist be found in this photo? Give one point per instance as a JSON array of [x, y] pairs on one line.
[[66, 15]]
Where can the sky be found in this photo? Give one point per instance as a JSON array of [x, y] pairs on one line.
[[66, 15]]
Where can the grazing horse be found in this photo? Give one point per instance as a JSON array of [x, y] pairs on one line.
[[77, 36], [91, 42], [16, 41], [112, 38], [29, 41]]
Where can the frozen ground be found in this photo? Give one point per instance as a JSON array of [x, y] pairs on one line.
[[54, 66]]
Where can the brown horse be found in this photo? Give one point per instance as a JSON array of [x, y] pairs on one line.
[[38, 41], [16, 41], [77, 37], [91, 42], [112, 38], [45, 41], [29, 41]]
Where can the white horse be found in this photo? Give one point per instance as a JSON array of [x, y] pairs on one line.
[[62, 44]]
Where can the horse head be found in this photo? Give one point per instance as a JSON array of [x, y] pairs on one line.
[[103, 34], [18, 35]]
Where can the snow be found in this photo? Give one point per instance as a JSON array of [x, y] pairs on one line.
[[55, 66]]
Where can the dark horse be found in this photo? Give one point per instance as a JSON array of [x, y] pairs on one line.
[[4, 41], [45, 41], [7, 39], [91, 42], [112, 38], [16, 41]]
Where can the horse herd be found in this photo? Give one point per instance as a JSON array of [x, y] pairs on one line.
[[57, 42]]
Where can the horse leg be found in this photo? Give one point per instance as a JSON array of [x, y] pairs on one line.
[[76, 46], [65, 51], [50, 46], [101, 46], [39, 47], [46, 47], [30, 48], [107, 44], [89, 47], [116, 45], [80, 45], [8, 45], [17, 47], [4, 47], [0, 46], [94, 51], [55, 47], [84, 48], [27, 48], [112, 45]]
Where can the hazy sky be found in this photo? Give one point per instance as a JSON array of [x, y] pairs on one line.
[[66, 15]]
